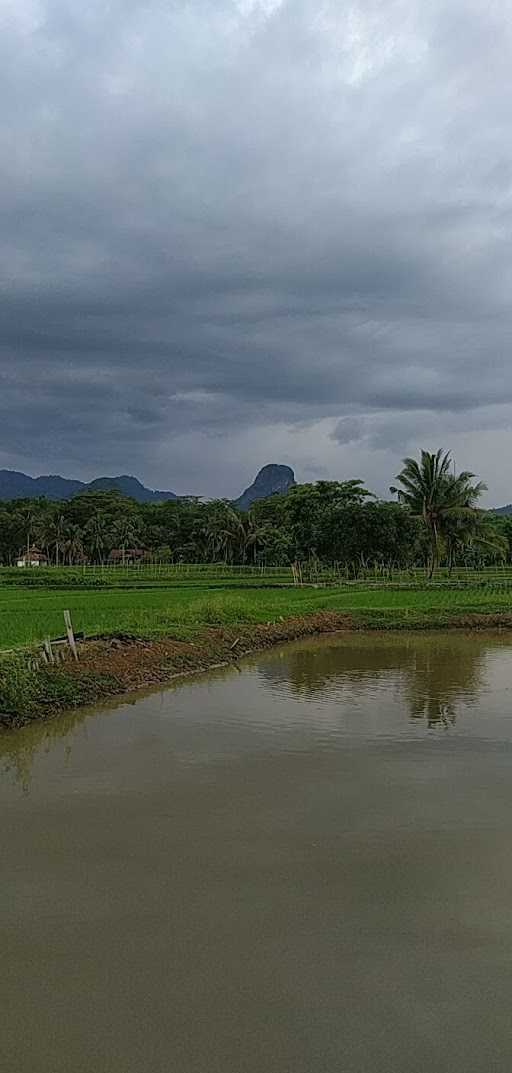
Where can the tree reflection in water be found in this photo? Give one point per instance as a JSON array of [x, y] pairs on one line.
[[444, 674], [432, 673], [18, 748]]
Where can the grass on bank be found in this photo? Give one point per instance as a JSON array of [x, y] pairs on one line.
[[29, 615], [26, 693]]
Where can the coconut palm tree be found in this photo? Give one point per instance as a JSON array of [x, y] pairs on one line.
[[127, 531], [472, 531], [431, 491], [256, 535], [224, 533], [98, 535], [232, 535], [29, 522], [52, 528], [73, 546]]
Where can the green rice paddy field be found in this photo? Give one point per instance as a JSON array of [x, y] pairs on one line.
[[29, 615]]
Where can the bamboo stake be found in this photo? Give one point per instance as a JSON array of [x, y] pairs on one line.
[[49, 651], [71, 636]]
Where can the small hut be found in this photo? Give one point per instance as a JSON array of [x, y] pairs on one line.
[[32, 557], [126, 556]]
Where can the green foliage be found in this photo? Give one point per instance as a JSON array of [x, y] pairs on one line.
[[325, 522], [445, 502]]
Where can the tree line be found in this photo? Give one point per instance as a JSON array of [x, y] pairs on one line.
[[433, 519]]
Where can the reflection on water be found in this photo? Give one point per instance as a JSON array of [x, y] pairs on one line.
[[433, 673], [303, 866], [18, 747], [442, 677]]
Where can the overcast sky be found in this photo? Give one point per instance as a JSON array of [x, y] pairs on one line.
[[255, 231]]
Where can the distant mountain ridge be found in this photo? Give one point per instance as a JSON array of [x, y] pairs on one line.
[[15, 485], [502, 510]]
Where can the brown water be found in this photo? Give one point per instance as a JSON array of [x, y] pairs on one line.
[[306, 866]]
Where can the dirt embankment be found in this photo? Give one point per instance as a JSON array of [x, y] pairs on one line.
[[135, 662]]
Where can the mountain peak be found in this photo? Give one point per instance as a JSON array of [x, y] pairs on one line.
[[272, 479]]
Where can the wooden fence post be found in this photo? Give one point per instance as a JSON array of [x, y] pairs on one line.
[[71, 636], [48, 651]]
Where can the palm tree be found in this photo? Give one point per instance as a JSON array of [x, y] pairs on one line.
[[257, 535], [73, 545], [232, 535], [472, 531], [98, 535], [224, 532], [52, 526], [431, 491], [29, 522], [127, 531]]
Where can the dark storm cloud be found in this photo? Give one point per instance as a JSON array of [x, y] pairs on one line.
[[225, 225]]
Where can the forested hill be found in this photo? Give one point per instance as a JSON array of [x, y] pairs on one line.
[[14, 485]]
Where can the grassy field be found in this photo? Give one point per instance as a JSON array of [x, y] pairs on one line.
[[30, 614]]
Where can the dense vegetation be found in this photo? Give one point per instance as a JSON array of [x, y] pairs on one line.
[[434, 520]]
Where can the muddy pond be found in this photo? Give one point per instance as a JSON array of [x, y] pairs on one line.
[[301, 865]]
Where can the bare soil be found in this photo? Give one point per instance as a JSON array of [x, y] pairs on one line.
[[133, 663]]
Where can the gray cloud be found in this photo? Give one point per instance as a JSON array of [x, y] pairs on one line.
[[232, 228]]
